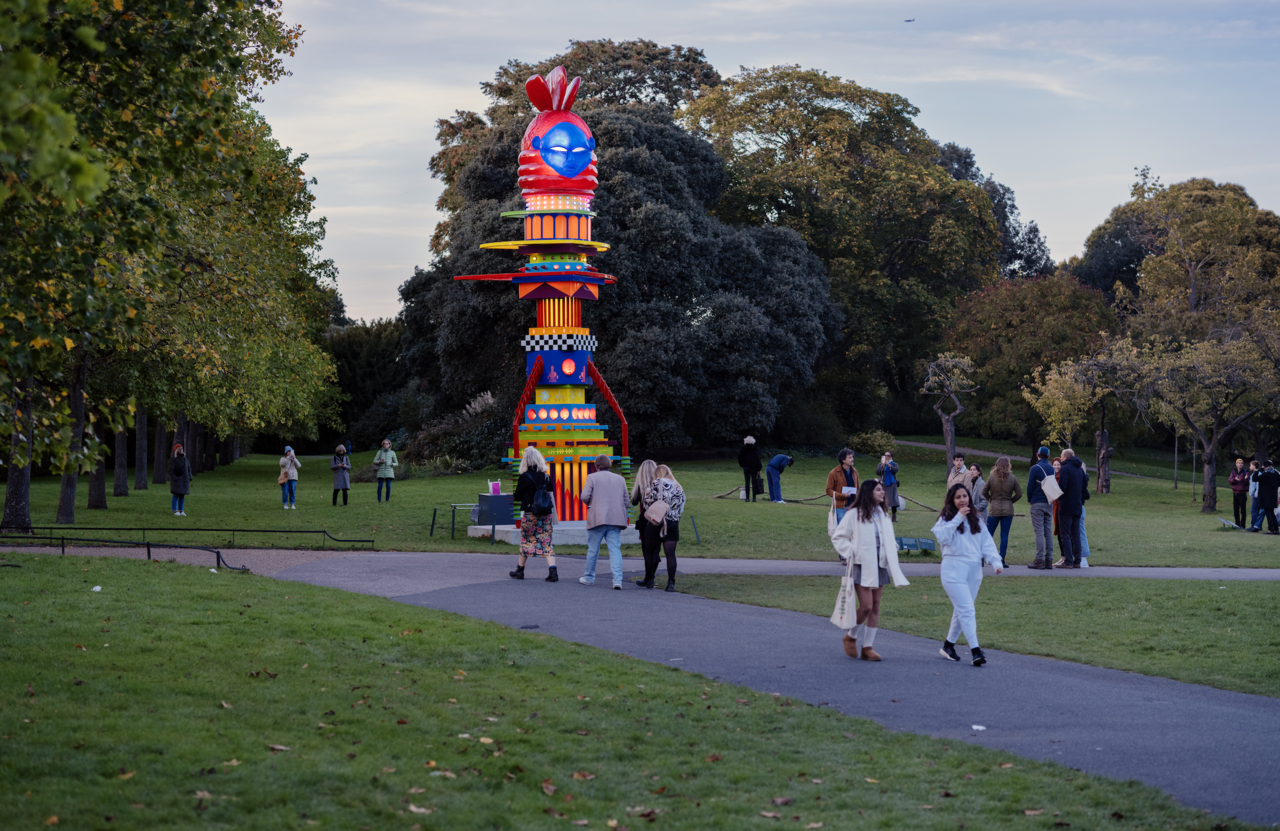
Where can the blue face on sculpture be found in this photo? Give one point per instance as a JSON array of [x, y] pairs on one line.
[[565, 149]]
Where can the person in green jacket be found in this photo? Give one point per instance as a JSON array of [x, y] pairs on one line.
[[387, 463]]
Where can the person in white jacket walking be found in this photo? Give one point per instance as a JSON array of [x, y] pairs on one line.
[[965, 543], [864, 539]]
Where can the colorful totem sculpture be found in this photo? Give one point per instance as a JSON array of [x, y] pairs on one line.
[[558, 178]]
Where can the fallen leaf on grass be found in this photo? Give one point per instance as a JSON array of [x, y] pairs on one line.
[[782, 800], [663, 789], [1033, 812], [416, 789], [486, 740], [850, 736], [402, 721], [814, 825], [276, 748], [53, 820], [579, 822], [548, 788], [584, 732], [232, 763], [968, 776], [873, 781], [203, 795], [1006, 764], [226, 706], [771, 815], [128, 775], [582, 775], [816, 781], [553, 812], [82, 649], [388, 770], [927, 807], [415, 809], [430, 764], [714, 757]]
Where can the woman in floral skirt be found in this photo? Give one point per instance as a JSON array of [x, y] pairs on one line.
[[535, 531]]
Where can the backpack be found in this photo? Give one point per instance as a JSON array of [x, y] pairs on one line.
[[543, 503]]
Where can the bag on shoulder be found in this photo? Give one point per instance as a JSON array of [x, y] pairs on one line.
[[284, 477], [543, 503], [657, 513], [832, 525], [1051, 488]]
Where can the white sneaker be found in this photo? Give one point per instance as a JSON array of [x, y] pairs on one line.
[[182, 513], [617, 587], [293, 507], [286, 507], [584, 581]]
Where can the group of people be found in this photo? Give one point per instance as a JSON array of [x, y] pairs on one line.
[[180, 475], [1261, 484], [656, 494], [749, 461]]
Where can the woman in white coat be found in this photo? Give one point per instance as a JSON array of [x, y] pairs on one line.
[[864, 539], [965, 543]]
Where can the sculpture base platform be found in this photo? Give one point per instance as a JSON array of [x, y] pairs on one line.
[[565, 533]]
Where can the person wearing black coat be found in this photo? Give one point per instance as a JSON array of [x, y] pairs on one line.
[[179, 480], [749, 461], [1075, 490], [535, 531], [1268, 480]]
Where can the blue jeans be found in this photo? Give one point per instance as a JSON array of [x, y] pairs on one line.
[[1255, 514], [178, 500], [1003, 522], [1084, 538], [775, 483], [380, 481], [289, 491], [612, 535], [840, 512]]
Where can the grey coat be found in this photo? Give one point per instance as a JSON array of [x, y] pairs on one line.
[[179, 476], [341, 467], [606, 497]]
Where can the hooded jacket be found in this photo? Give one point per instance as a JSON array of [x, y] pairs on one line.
[[1075, 485]]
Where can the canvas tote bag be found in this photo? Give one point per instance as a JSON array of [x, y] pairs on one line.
[[845, 615], [832, 525], [1050, 487]]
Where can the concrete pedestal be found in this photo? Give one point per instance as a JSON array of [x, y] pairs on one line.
[[565, 533]]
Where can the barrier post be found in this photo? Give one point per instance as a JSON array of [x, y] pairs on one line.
[[64, 546], [433, 522], [696, 535], [148, 552]]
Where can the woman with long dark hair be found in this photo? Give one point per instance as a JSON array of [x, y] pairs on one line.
[[965, 543], [864, 539]]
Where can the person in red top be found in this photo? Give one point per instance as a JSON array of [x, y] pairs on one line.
[[1239, 482]]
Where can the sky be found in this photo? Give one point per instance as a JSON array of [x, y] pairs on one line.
[[1059, 101]]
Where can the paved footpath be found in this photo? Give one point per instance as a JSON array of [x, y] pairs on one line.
[[1210, 749]]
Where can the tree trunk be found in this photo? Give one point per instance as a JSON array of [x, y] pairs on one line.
[[121, 487], [1102, 440], [195, 453], [949, 437], [140, 450], [17, 490], [160, 473], [67, 493], [226, 450], [211, 451], [235, 448], [1209, 489], [98, 486]]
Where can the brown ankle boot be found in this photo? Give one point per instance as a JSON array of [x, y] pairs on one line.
[[869, 654], [850, 646]]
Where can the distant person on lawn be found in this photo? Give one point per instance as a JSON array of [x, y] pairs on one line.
[[958, 474], [341, 467], [1001, 492], [1075, 490], [842, 482], [887, 470], [1268, 480], [1239, 482], [1255, 509], [179, 480], [605, 495], [965, 544], [387, 463], [535, 530], [865, 541], [976, 486], [774, 470], [749, 461], [1041, 510], [289, 465]]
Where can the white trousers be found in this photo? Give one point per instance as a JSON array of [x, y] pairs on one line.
[[961, 581]]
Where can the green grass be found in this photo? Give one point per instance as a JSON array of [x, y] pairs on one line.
[[1142, 523], [1219, 634], [166, 719]]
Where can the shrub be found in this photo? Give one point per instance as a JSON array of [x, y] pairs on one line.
[[872, 443]]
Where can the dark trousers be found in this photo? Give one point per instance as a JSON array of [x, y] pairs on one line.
[[1240, 502], [750, 477], [1069, 537], [388, 484], [335, 495], [1003, 522], [650, 547]]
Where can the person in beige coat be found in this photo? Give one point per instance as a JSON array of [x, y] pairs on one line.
[[864, 539], [958, 474], [605, 495]]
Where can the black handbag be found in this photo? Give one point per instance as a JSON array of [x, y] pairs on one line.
[[759, 483]]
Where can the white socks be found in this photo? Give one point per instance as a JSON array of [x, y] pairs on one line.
[[868, 637]]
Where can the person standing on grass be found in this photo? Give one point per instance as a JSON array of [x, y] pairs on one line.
[[666, 489], [650, 543], [1239, 482], [965, 544], [289, 465], [887, 470], [1041, 511], [340, 464], [1075, 490], [864, 540], [1255, 509], [534, 492], [774, 470], [1268, 480], [387, 463], [605, 495], [958, 474], [1001, 491], [976, 486], [749, 461], [842, 482], [179, 480]]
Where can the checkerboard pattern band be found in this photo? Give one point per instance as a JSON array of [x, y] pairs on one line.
[[565, 343]]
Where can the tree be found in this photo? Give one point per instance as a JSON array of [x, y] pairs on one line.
[[1063, 397], [369, 363], [1014, 326], [1023, 251], [948, 376], [848, 169]]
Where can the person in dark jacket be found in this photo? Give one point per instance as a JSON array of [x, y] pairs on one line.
[[1075, 490], [535, 531], [179, 480], [1268, 480], [1041, 510], [1239, 482], [341, 467], [749, 461], [774, 470]]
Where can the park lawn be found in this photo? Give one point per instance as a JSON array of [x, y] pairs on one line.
[[1141, 523], [175, 696], [1202, 632]]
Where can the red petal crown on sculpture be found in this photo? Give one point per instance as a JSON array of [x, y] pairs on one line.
[[557, 155]]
